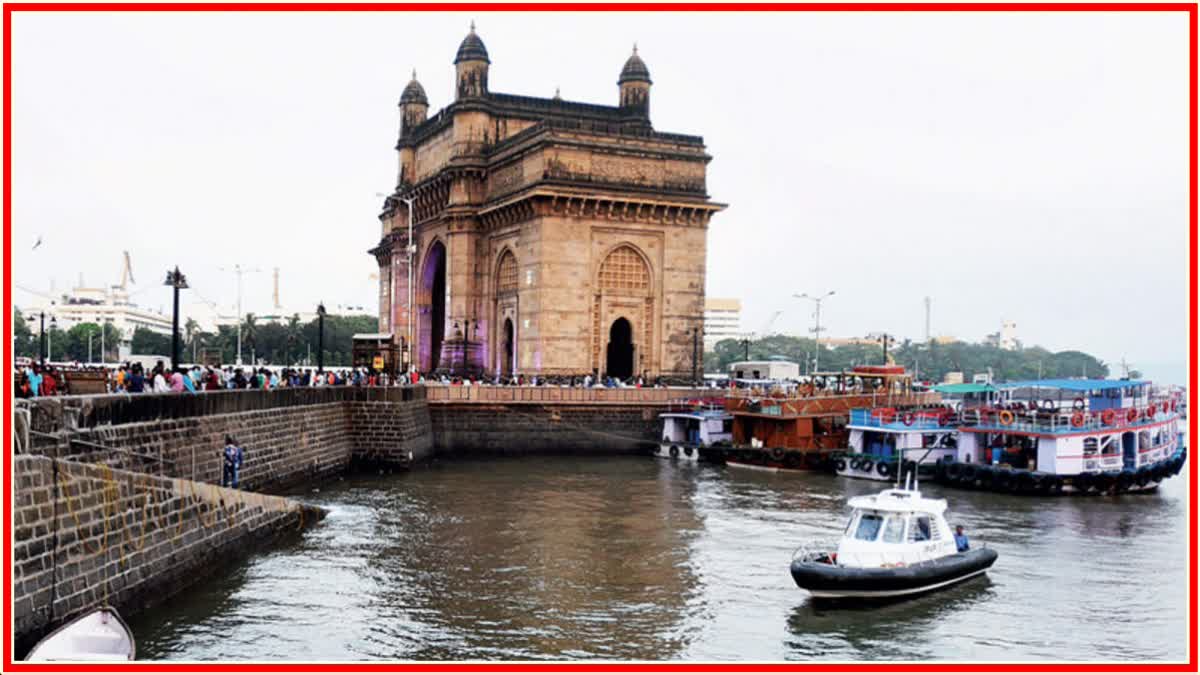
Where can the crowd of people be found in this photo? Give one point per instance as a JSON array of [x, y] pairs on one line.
[[34, 380]]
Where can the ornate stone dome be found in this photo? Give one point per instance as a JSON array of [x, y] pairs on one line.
[[414, 92], [635, 70], [472, 48]]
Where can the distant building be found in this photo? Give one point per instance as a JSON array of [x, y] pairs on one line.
[[764, 370], [722, 320], [1006, 338], [100, 306]]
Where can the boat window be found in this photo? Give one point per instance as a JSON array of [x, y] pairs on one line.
[[1090, 446], [894, 532], [868, 527], [922, 529]]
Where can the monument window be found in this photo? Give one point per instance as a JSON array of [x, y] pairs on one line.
[[506, 277], [624, 271]]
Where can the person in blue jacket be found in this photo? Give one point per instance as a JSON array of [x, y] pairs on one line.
[[960, 539], [232, 457]]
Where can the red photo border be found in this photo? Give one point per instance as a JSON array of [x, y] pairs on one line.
[[1191, 474]]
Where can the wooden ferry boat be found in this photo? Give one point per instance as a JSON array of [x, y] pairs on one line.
[[801, 426]]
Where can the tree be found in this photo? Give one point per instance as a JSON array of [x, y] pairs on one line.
[[249, 333], [146, 341], [25, 343], [294, 336], [934, 360]]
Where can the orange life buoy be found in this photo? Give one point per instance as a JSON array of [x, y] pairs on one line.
[[1077, 420], [1107, 417], [1152, 410], [1131, 415], [908, 419], [1006, 417]]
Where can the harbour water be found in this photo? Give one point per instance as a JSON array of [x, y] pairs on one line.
[[635, 558]]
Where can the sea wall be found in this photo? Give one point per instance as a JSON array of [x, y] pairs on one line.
[[532, 420], [86, 535], [290, 436]]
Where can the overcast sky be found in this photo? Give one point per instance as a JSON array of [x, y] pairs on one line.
[[1024, 166]]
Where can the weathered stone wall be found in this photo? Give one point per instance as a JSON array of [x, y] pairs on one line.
[[86, 535], [542, 428], [389, 433], [519, 420], [289, 436]]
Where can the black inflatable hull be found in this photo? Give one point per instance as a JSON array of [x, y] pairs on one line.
[[830, 581]]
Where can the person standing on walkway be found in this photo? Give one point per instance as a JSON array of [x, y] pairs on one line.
[[232, 457]]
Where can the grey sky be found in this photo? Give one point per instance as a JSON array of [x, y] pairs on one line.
[[1017, 165]]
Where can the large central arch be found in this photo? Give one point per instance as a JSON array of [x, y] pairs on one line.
[[433, 312], [623, 313]]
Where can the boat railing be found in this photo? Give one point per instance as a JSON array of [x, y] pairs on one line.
[[1012, 419], [706, 404], [818, 551], [1067, 421]]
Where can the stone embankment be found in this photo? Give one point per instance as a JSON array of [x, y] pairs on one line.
[[525, 420], [290, 436], [87, 535], [116, 499]]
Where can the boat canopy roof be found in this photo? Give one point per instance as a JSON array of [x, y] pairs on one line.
[[963, 388], [698, 414], [901, 501], [1073, 385]]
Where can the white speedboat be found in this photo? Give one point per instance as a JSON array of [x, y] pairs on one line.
[[97, 635], [897, 543]]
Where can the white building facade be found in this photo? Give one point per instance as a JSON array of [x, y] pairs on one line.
[[722, 321]]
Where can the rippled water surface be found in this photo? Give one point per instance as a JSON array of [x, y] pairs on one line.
[[636, 558]]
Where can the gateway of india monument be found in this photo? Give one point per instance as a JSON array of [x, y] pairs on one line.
[[548, 237]]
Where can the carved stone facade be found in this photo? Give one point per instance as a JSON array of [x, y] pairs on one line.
[[551, 237]]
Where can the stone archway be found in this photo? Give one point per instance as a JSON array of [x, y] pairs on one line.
[[509, 342], [433, 311], [619, 357], [624, 303]]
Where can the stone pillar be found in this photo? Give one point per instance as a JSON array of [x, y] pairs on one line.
[[461, 349]]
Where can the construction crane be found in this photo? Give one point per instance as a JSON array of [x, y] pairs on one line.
[[127, 272]]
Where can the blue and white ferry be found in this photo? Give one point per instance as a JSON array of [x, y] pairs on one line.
[[1077, 436], [884, 441], [690, 427]]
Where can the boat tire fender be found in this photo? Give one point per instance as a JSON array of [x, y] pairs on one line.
[[674, 450], [839, 464], [867, 465]]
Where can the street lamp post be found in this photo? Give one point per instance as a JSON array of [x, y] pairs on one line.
[[817, 299], [885, 340], [695, 355], [321, 337], [90, 334], [176, 281], [42, 335], [410, 250]]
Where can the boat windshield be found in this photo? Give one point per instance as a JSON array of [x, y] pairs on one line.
[[894, 532], [868, 527]]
